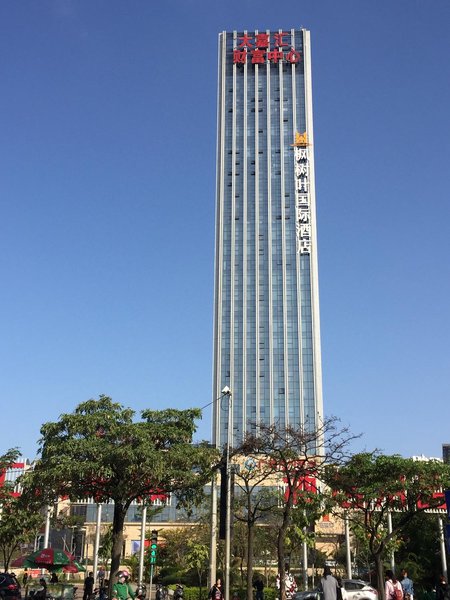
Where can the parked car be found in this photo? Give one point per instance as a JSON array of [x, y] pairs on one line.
[[357, 589], [9, 588]]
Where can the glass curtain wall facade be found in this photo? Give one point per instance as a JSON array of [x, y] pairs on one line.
[[266, 329]]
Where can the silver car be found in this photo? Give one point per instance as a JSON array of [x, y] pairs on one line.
[[356, 589]]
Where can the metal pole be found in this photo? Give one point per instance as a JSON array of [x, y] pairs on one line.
[[97, 538], [213, 537], [47, 526], [47, 529], [347, 546], [389, 520], [442, 546], [150, 582], [228, 505], [305, 565], [142, 548]]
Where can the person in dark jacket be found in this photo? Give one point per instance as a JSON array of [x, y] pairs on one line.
[[88, 586], [216, 592], [259, 587]]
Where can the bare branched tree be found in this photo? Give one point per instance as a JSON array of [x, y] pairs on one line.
[[295, 456]]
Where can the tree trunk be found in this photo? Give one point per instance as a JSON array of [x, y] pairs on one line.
[[282, 532], [117, 542], [281, 570], [250, 543], [380, 575]]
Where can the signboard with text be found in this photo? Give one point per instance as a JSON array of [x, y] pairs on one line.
[[263, 48]]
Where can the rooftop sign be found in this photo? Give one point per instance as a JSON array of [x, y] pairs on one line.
[[257, 49]]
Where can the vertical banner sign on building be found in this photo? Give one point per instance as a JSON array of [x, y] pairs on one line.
[[447, 537], [302, 194]]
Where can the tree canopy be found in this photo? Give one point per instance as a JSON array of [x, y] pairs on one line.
[[19, 521], [371, 485], [101, 451]]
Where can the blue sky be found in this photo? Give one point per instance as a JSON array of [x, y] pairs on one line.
[[107, 193]]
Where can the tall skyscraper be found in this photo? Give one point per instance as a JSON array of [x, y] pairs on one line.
[[446, 453], [266, 329]]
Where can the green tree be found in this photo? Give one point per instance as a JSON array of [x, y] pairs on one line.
[[371, 485], [197, 557], [106, 544], [420, 550], [173, 555], [6, 461], [20, 520], [99, 450]]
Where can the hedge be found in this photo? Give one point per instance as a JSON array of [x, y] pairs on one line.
[[193, 593]]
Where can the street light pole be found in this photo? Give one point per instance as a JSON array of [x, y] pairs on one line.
[[142, 546], [98, 526], [228, 504], [213, 537]]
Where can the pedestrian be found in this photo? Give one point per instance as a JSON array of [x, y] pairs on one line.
[[216, 592], [442, 589], [290, 584], [407, 585], [25, 577], [392, 587], [103, 589], [88, 586], [329, 585], [259, 587], [54, 578], [122, 589], [41, 592]]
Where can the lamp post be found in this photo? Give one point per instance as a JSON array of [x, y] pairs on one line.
[[228, 505], [213, 538], [142, 546], [98, 526]]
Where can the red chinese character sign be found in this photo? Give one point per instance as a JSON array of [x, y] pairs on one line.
[[263, 48]]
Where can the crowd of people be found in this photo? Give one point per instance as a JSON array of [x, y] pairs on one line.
[[331, 587]]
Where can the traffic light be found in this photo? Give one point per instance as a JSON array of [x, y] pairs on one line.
[[153, 546]]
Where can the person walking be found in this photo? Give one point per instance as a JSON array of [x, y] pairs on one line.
[[41, 592], [88, 587], [329, 585], [407, 585], [392, 588], [259, 587]]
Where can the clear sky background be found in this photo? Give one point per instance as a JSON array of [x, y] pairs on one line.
[[107, 201]]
